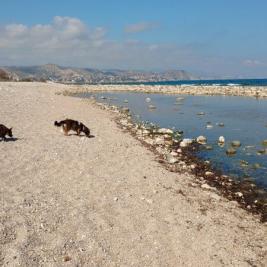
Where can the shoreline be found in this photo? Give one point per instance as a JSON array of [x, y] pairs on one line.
[[83, 201], [244, 91], [250, 197]]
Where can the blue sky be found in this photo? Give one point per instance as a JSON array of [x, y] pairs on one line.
[[221, 38]]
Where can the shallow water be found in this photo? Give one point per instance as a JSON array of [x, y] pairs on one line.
[[244, 119]]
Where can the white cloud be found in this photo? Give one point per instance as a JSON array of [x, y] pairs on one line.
[[140, 27], [68, 41], [252, 63]]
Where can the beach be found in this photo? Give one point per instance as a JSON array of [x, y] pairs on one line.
[[106, 200]]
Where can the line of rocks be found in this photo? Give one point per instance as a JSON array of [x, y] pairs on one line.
[[238, 90], [178, 154]]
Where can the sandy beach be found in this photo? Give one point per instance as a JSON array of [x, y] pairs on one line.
[[105, 200]]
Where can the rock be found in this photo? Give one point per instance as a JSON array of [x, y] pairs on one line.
[[164, 131], [230, 151], [173, 153], [262, 151], [215, 196], [179, 98], [186, 142], [149, 141], [125, 110], [125, 101], [152, 107], [221, 140], [208, 147], [103, 97], [221, 124], [148, 99], [145, 132], [209, 126], [256, 166], [236, 143], [209, 173], [239, 194], [159, 141], [201, 113], [207, 187], [202, 139], [179, 150], [264, 142], [116, 199], [171, 159]]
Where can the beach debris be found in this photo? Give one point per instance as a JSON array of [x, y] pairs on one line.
[[236, 143], [202, 139], [186, 142], [148, 99], [230, 151]]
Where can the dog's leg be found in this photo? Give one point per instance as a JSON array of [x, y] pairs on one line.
[[65, 130]]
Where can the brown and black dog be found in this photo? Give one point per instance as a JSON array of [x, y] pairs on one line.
[[73, 125], [5, 131]]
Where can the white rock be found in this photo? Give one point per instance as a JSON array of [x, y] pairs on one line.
[[208, 173], [148, 99], [202, 139], [159, 141], [239, 194], [221, 140], [207, 187], [186, 142], [165, 131]]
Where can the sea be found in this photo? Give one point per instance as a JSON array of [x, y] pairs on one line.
[[235, 118]]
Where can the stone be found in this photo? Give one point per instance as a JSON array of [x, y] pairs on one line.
[[209, 126], [201, 113], [201, 139], [159, 141], [208, 147], [152, 107], [239, 194], [179, 150], [264, 142], [148, 99], [125, 110], [230, 151], [186, 142], [207, 173], [173, 153], [215, 196], [221, 140], [236, 143], [171, 159], [164, 131], [221, 124], [206, 186], [125, 101]]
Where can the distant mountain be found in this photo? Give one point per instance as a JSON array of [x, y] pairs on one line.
[[86, 75]]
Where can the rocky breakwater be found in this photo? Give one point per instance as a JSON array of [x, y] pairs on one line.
[[177, 154], [251, 91]]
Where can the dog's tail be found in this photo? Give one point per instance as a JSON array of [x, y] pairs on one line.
[[58, 124]]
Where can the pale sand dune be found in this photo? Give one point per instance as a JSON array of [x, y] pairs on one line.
[[105, 201]]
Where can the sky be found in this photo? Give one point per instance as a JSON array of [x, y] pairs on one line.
[[209, 38]]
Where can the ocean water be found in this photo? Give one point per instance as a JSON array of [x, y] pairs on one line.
[[229, 82], [244, 119]]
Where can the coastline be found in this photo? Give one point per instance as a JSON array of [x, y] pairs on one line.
[[96, 199], [246, 91]]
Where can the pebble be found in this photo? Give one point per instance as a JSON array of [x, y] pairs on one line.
[[239, 194], [207, 187], [201, 139], [236, 143]]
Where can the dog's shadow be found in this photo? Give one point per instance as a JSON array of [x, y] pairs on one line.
[[90, 136], [10, 139]]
